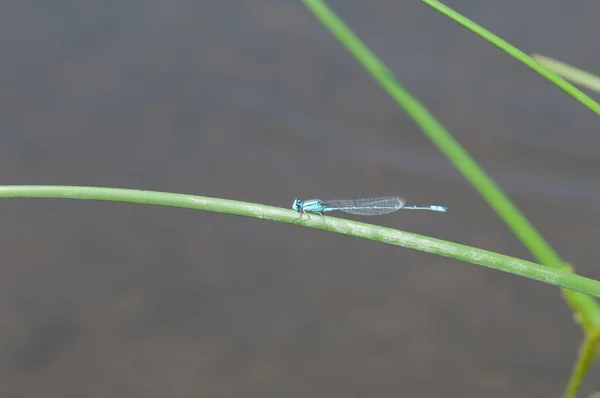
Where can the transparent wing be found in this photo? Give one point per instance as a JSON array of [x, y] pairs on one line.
[[366, 206]]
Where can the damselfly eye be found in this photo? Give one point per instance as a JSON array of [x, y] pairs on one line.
[[297, 205]]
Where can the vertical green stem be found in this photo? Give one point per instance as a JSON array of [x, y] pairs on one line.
[[587, 311], [587, 352]]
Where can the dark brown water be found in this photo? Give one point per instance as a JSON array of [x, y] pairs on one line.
[[254, 100]]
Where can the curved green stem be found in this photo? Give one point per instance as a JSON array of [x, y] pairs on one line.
[[456, 251]]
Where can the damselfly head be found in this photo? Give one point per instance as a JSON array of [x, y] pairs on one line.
[[297, 205]]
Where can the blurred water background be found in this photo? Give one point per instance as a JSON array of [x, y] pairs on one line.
[[255, 101]]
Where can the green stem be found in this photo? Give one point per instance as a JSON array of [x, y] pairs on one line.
[[486, 258], [445, 142], [518, 54], [587, 352], [576, 75], [587, 310]]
